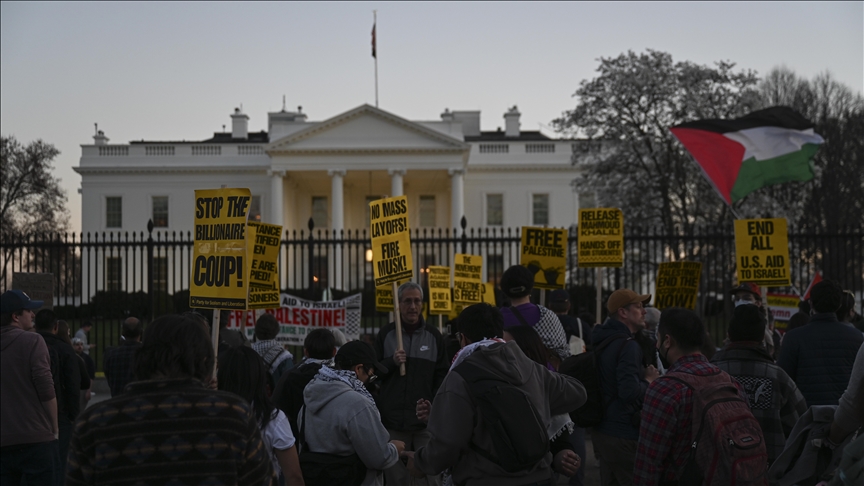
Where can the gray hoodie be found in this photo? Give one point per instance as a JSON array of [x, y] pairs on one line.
[[341, 421]]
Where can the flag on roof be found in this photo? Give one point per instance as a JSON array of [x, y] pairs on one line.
[[741, 155], [374, 44]]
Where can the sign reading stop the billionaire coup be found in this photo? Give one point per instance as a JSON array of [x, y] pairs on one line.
[[263, 249], [391, 243], [439, 290], [762, 251], [544, 253], [219, 277], [601, 237], [677, 284], [467, 278]]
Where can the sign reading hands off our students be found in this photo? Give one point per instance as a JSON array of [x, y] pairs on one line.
[[544, 253], [601, 237], [219, 277], [263, 246], [677, 284], [391, 242], [439, 290], [762, 251], [467, 278]]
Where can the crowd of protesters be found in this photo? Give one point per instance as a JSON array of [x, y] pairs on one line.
[[484, 405]]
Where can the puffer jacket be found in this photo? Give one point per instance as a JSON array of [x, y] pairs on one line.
[[819, 358]]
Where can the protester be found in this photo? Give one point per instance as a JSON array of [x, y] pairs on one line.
[[559, 303], [319, 347], [168, 427], [774, 398], [846, 312], [426, 365], [340, 417], [86, 381], [89, 367], [118, 362], [623, 381], [666, 430], [517, 283], [67, 378], [29, 427], [243, 372], [81, 334], [746, 293], [278, 360], [820, 355], [850, 413]]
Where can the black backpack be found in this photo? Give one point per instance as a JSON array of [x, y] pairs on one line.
[[518, 433], [584, 368]]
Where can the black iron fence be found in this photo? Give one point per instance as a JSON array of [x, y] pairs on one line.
[[105, 277]]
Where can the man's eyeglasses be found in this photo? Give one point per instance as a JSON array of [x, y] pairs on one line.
[[407, 302]]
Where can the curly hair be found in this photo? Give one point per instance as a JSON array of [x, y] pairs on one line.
[[175, 346]]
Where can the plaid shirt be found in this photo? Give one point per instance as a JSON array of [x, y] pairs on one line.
[[667, 424], [774, 398]]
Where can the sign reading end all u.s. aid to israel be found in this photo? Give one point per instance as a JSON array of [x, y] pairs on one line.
[[601, 238], [391, 242], [762, 251], [220, 272], [544, 253]]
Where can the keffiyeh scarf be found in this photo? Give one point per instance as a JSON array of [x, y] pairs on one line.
[[346, 376]]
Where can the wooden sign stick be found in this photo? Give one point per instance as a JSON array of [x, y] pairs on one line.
[[398, 326], [441, 323], [214, 337]]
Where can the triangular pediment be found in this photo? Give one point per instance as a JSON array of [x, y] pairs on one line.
[[366, 128]]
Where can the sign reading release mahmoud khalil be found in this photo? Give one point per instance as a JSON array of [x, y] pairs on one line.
[[391, 243], [601, 237]]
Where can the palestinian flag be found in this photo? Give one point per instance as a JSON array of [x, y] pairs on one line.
[[738, 156]]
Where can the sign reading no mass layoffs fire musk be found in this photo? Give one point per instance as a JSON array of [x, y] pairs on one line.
[[263, 245], [762, 251], [391, 243], [601, 237], [544, 253], [219, 278], [439, 290], [677, 284], [467, 278]]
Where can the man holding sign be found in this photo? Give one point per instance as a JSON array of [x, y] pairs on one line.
[[422, 353], [517, 283]]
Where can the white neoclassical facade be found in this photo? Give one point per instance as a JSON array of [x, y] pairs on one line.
[[329, 170]]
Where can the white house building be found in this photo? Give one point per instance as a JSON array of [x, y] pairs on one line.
[[329, 170]]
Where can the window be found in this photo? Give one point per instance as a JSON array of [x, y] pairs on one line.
[[494, 209], [113, 212], [587, 200], [113, 272], [369, 199], [160, 274], [427, 211], [540, 209], [160, 211], [319, 211], [255, 210]]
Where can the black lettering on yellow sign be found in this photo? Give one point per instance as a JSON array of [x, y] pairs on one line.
[[216, 271], [256, 297]]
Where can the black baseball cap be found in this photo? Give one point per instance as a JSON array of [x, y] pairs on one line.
[[559, 295], [359, 352], [16, 300]]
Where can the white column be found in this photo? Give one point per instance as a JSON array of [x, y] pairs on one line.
[[337, 224], [457, 198], [396, 182], [276, 216]]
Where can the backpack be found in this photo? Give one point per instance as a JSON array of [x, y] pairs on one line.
[[518, 432], [727, 444], [577, 343], [584, 368], [288, 395]]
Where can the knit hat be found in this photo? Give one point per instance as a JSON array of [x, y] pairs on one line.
[[747, 324], [517, 281]]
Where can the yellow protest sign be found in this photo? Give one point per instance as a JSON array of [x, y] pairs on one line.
[[601, 237], [263, 242], [384, 298], [467, 278], [439, 290], [783, 307], [488, 293], [677, 284], [762, 251], [544, 252], [219, 278], [391, 244]]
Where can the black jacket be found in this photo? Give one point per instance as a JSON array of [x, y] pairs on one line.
[[819, 358], [67, 376], [424, 371], [288, 395]]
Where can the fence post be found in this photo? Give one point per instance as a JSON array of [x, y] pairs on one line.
[[150, 270], [311, 275], [464, 223]]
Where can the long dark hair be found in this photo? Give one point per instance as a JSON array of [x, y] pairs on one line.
[[529, 342], [175, 346], [244, 373]]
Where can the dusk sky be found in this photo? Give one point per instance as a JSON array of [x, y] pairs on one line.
[[174, 71]]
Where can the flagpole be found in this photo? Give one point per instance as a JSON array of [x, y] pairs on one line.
[[375, 20]]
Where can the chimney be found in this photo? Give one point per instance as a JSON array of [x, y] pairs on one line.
[[511, 122], [100, 138], [239, 125], [447, 116]]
